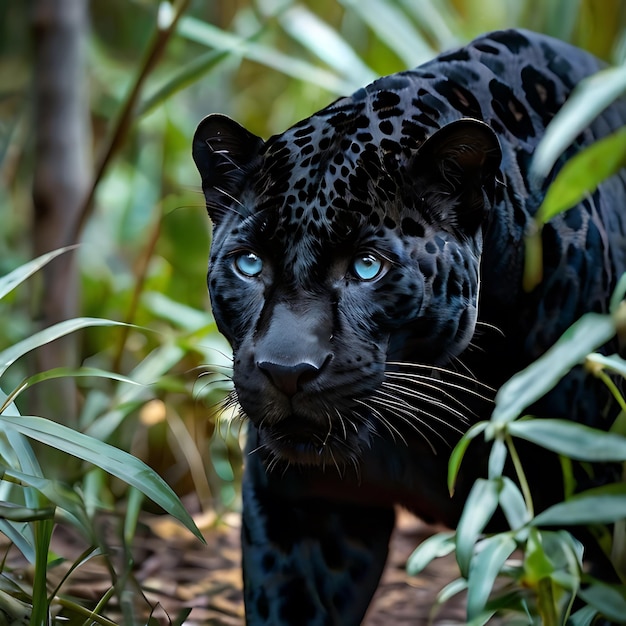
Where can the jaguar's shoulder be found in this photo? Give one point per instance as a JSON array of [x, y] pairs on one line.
[[515, 80]]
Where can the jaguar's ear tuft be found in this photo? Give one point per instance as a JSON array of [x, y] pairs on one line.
[[462, 159], [224, 153]]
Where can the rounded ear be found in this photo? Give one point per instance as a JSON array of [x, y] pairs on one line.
[[465, 148], [460, 161], [224, 153]]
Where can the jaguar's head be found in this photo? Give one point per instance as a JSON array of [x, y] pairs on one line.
[[342, 261]]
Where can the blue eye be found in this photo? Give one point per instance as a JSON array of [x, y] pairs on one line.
[[249, 264], [367, 266]]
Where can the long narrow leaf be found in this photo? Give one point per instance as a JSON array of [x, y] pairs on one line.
[[601, 505], [63, 372], [485, 567], [480, 505], [432, 548], [609, 600], [208, 35], [11, 280], [575, 441], [589, 99], [117, 462], [394, 29], [21, 536], [323, 41], [14, 352], [586, 335], [582, 174]]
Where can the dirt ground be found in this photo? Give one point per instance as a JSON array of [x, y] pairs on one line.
[[177, 573]]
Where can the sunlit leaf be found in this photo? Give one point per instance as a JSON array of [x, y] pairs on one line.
[[209, 35], [589, 98], [326, 43], [583, 337], [117, 462], [394, 29], [484, 569], [576, 441], [479, 507], [582, 174], [613, 363], [537, 564], [601, 505]]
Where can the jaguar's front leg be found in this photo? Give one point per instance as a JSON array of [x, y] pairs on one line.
[[308, 560]]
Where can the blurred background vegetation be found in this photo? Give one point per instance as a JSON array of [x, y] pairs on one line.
[[143, 85]]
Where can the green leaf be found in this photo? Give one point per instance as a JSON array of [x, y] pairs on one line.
[[590, 97], [438, 545], [513, 504], [451, 589], [484, 569], [394, 29], [583, 617], [601, 505], [14, 352], [497, 458], [582, 174], [537, 564], [128, 397], [583, 337], [325, 43], [608, 600], [184, 76], [63, 372], [21, 536], [58, 494], [573, 440], [613, 363], [477, 511], [21, 455], [208, 35], [458, 453], [15, 513], [11, 280], [117, 462]]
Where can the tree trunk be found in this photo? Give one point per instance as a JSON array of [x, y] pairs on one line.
[[61, 179]]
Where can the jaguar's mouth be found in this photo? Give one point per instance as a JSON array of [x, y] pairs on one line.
[[295, 444]]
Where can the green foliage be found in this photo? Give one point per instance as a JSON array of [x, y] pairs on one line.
[[582, 174], [543, 585], [31, 501]]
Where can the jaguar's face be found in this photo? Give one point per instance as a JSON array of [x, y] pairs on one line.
[[332, 282]]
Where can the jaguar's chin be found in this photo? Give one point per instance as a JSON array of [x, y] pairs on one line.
[[283, 444]]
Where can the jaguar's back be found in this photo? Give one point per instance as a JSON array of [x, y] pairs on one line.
[[356, 260]]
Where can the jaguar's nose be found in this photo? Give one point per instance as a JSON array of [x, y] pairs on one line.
[[289, 378]]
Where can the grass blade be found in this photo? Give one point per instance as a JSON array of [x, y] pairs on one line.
[[14, 352], [113, 460], [11, 280]]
